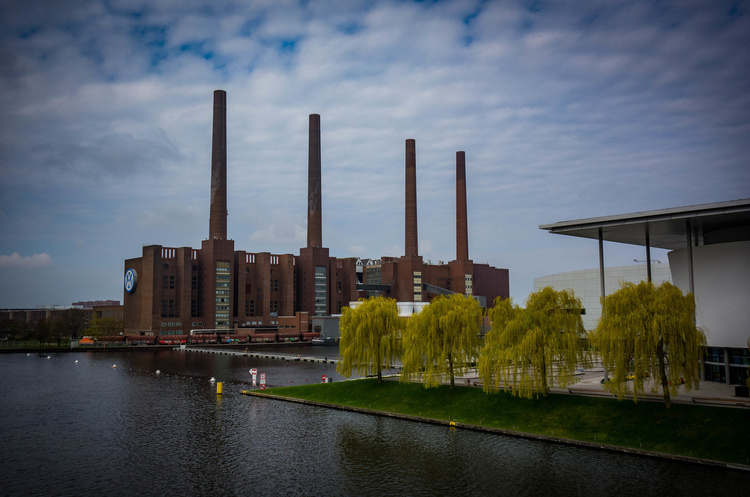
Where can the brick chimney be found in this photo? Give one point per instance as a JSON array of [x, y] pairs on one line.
[[314, 204], [217, 226], [411, 245], [462, 235]]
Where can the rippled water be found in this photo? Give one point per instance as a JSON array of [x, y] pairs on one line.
[[91, 429]]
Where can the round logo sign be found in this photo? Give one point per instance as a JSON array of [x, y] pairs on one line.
[[131, 279]]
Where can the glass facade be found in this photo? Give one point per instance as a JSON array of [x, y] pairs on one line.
[[223, 302], [727, 365], [321, 291]]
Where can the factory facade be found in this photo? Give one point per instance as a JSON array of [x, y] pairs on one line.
[[172, 290]]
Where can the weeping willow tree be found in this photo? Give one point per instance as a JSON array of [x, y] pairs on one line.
[[647, 331], [528, 350], [370, 337], [442, 340]]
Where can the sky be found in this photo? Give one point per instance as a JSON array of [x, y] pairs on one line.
[[566, 110]]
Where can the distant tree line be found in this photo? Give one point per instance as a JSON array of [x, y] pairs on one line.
[[66, 325]]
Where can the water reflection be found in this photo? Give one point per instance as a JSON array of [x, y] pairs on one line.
[[90, 429]]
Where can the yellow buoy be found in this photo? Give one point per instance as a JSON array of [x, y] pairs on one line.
[[219, 388]]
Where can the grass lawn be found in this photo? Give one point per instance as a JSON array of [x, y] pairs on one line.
[[716, 433]]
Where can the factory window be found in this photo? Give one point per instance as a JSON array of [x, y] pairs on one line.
[[167, 308], [417, 279]]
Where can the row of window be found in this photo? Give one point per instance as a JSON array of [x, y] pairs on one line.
[[223, 276], [736, 356]]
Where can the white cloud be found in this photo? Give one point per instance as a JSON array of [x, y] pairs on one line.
[[564, 111], [35, 261]]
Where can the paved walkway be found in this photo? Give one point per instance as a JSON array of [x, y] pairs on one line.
[[589, 384]]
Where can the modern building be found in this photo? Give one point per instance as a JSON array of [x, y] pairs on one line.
[[172, 290], [585, 285], [709, 257]]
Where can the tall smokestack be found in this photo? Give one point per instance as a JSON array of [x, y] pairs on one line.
[[217, 226], [314, 208], [411, 249], [462, 235]]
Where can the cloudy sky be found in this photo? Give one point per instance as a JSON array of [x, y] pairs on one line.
[[564, 112]]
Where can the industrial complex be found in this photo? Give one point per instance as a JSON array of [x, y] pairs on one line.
[[176, 290]]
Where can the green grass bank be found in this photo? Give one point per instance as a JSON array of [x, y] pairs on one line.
[[706, 432]]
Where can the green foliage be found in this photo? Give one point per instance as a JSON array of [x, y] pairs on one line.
[[72, 322], [104, 327], [442, 340], [534, 348], [650, 332], [370, 337], [14, 329], [42, 330]]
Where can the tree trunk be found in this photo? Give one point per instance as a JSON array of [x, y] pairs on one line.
[[663, 372], [543, 368], [450, 367], [380, 368]]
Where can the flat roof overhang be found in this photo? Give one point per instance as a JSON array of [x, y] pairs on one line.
[[666, 228]]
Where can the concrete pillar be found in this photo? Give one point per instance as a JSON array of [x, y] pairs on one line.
[[648, 254]]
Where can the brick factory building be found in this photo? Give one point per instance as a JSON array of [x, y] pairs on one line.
[[170, 291]]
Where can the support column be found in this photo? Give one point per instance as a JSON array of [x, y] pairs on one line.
[[601, 281], [648, 254], [727, 370], [689, 232], [601, 265]]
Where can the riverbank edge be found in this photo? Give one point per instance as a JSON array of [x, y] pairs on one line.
[[502, 431]]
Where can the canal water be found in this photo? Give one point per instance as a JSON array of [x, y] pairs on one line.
[[89, 428]]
